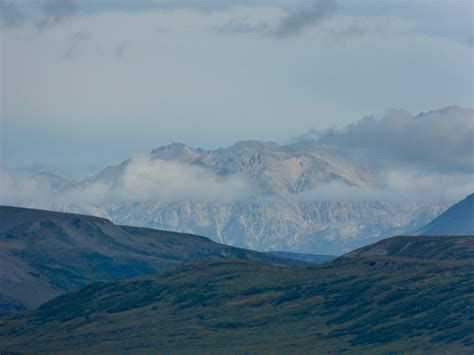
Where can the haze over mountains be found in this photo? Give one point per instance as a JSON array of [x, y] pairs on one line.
[[327, 195]]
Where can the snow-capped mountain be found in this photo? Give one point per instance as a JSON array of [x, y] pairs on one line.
[[263, 195], [272, 219], [275, 170], [309, 227]]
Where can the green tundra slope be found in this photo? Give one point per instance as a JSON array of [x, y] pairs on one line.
[[351, 305]]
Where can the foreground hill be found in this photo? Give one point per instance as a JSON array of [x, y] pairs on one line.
[[366, 304], [309, 258], [457, 220], [44, 254], [420, 247]]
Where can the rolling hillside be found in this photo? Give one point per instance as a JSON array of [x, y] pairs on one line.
[[44, 254], [309, 258], [364, 304], [420, 247]]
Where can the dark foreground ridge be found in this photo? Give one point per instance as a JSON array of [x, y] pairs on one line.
[[44, 254], [420, 247], [370, 304], [309, 258]]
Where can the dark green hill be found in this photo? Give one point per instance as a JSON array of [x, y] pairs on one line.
[[44, 254], [309, 258], [420, 247], [351, 305]]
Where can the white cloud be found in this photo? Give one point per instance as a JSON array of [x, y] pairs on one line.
[[440, 141], [160, 180], [144, 179], [396, 185]]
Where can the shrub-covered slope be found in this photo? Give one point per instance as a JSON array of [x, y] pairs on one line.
[[370, 304]]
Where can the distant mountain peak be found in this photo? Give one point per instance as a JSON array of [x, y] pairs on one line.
[[55, 182], [456, 109], [175, 146], [177, 151]]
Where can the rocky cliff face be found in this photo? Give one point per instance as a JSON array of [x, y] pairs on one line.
[[275, 170], [311, 227]]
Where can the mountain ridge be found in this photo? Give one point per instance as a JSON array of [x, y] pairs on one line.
[[45, 253], [456, 220]]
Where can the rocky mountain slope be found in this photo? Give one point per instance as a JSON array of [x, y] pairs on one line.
[[305, 226], [457, 220], [283, 215], [276, 170], [44, 254]]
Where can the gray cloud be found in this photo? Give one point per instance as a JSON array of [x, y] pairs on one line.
[[121, 48], [76, 40], [11, 14], [349, 33], [243, 26], [54, 12], [439, 141], [143, 179], [395, 186], [470, 41], [293, 22], [42, 13], [298, 20]]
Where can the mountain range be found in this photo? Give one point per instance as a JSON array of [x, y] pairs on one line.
[[257, 195]]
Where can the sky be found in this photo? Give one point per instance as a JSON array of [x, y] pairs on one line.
[[86, 84]]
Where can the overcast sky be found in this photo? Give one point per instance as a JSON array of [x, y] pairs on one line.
[[85, 84]]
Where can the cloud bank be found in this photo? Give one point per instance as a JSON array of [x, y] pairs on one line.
[[309, 15], [439, 141], [146, 178], [396, 186], [42, 13], [143, 179]]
